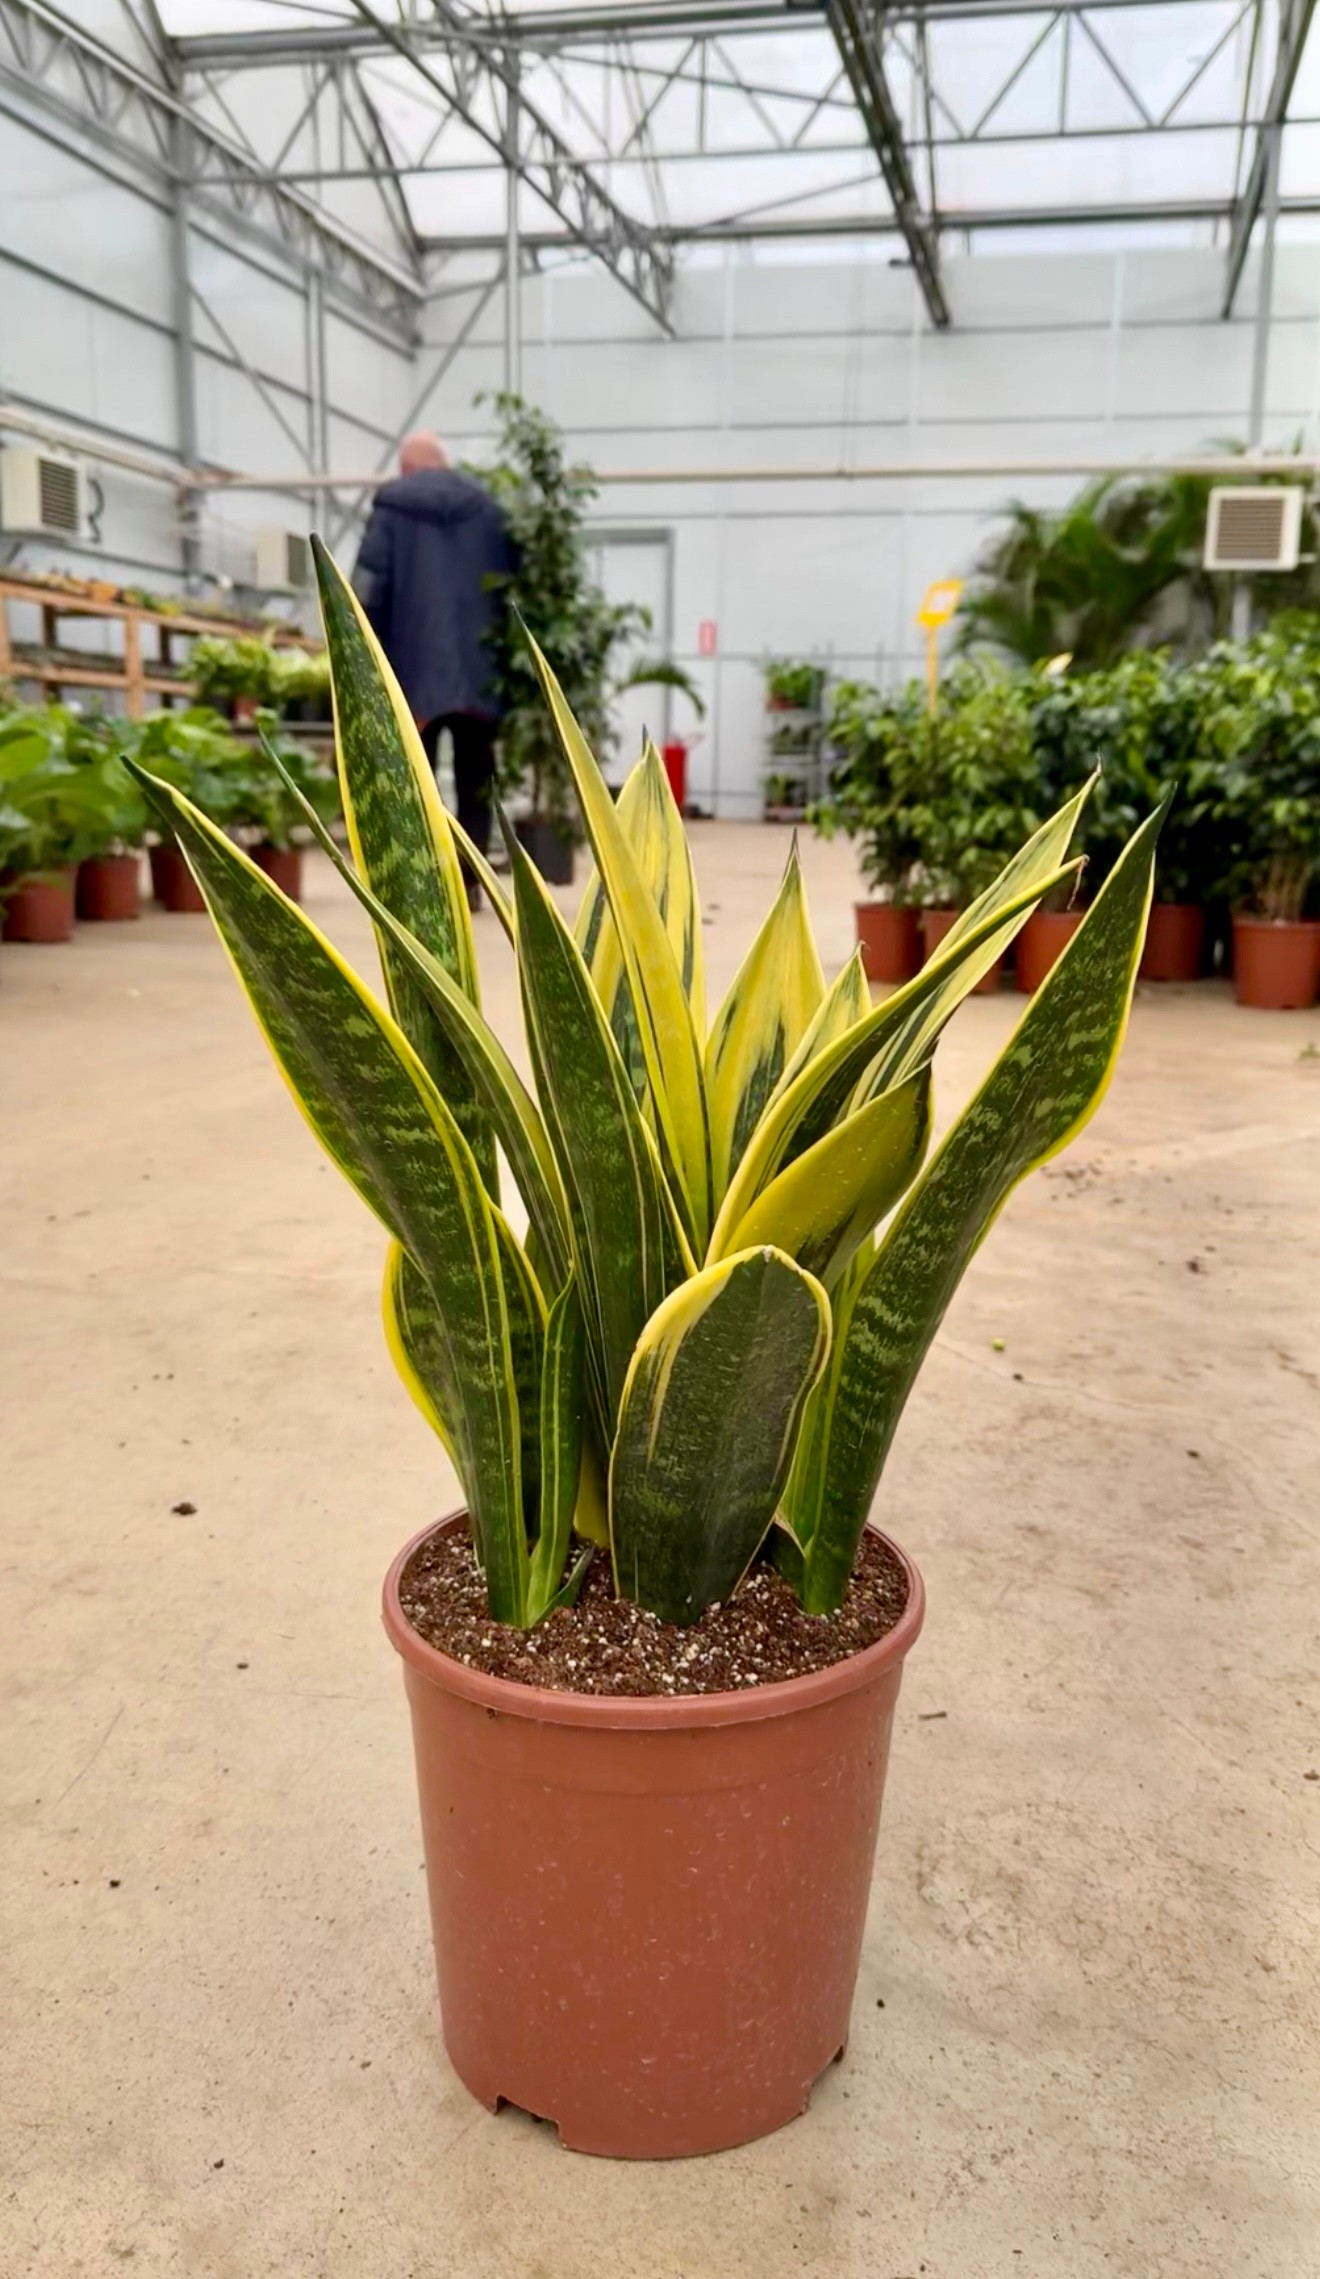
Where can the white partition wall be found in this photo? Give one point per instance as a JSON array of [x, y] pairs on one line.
[[827, 364]]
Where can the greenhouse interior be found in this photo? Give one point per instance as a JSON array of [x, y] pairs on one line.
[[702, 620]]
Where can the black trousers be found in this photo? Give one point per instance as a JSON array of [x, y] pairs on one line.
[[474, 769]]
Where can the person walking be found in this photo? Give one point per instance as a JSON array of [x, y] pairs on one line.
[[431, 575]]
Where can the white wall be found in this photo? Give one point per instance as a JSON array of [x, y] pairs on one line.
[[796, 362], [86, 336], [832, 364]]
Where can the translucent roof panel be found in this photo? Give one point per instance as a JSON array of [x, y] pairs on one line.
[[694, 122]]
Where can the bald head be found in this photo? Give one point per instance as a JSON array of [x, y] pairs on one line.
[[421, 450]]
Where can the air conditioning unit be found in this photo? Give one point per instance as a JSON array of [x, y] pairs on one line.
[[42, 492], [1257, 528], [284, 560]]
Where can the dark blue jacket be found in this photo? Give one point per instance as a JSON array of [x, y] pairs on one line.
[[434, 540]]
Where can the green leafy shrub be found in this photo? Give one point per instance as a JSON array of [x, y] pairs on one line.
[[938, 802], [221, 669], [64, 790], [797, 686], [545, 500], [1268, 720]]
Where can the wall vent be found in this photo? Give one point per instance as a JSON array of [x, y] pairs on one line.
[[1254, 529], [42, 493], [284, 560]]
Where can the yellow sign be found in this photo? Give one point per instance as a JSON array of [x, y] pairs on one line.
[[938, 604]]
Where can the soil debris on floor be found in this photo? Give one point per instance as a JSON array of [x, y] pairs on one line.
[[607, 1645]]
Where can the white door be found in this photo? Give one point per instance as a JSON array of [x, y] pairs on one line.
[[636, 566]]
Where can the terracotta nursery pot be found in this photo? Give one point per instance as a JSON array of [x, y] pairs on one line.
[[935, 924], [890, 941], [284, 865], [40, 909], [108, 887], [1276, 964], [173, 883], [1046, 934], [1175, 942], [648, 1913]]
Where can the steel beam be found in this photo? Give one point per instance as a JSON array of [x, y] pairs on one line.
[[66, 74], [856, 26], [552, 30], [545, 162], [884, 225], [1294, 24]]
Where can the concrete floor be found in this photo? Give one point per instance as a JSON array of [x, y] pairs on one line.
[[1085, 2037]]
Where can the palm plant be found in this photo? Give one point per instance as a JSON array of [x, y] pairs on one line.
[[1118, 568], [701, 1348]]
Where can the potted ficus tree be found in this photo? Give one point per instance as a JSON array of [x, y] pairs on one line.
[[551, 592], [1271, 690], [653, 1666], [975, 795], [874, 743], [1150, 724]]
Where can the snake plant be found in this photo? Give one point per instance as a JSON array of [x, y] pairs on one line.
[[700, 1347]]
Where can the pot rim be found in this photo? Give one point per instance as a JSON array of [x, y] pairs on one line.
[[646, 1713], [1255, 918]]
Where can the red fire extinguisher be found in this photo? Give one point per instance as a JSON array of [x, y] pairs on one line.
[[675, 756]]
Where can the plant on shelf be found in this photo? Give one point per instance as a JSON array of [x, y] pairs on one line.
[[222, 670], [680, 1384], [299, 684], [793, 687], [545, 500]]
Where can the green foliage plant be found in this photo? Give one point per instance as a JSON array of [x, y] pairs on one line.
[[737, 1252], [65, 793], [795, 687], [1120, 567], [1269, 718], [545, 498], [937, 801]]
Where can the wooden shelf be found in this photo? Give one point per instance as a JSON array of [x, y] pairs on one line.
[[134, 677], [78, 676]]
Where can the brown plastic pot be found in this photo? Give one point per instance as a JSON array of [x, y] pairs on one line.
[[1276, 962], [284, 865], [1175, 942], [40, 909], [889, 939], [648, 1914], [108, 888], [1045, 936], [935, 924], [173, 883]]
